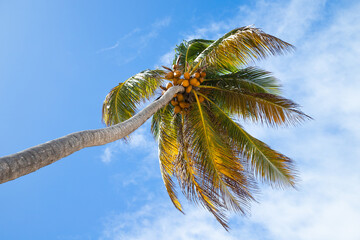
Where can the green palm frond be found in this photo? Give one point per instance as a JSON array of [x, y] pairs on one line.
[[121, 102], [266, 163], [252, 79], [265, 108], [240, 47], [189, 50]]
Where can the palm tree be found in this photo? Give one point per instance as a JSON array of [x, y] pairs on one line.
[[202, 145]]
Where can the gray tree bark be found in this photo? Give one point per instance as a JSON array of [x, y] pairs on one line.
[[29, 160]]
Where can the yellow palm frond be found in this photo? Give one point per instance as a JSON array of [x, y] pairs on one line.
[[168, 151], [266, 163], [240, 47], [266, 108], [121, 102], [252, 79], [218, 168]]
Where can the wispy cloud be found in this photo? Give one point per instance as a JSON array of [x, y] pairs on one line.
[[323, 77], [109, 48], [139, 39], [119, 41], [146, 38]]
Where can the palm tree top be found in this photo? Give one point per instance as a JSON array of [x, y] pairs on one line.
[[202, 144]]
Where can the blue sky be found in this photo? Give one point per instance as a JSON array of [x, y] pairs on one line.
[[59, 59]]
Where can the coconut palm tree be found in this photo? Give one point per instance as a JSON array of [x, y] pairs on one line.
[[210, 88]]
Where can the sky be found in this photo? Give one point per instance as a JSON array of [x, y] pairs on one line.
[[59, 59]]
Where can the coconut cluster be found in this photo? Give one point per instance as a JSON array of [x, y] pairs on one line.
[[182, 101]]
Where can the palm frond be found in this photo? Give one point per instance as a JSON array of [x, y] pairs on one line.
[[122, 101], [266, 163], [252, 79], [189, 50], [156, 120], [265, 108], [193, 186], [239, 47], [216, 164], [168, 150]]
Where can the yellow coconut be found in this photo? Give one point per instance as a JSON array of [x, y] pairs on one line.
[[177, 109], [187, 75], [201, 80], [203, 74], [197, 75], [174, 103], [175, 81], [188, 89], [185, 83], [180, 97], [175, 95], [193, 81], [201, 99], [182, 104], [180, 81], [197, 84], [177, 74], [169, 85], [169, 75]]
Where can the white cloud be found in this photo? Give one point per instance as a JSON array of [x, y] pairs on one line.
[[323, 77], [168, 224], [167, 58], [138, 140], [106, 157], [146, 163]]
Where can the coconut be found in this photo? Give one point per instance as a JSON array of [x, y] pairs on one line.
[[203, 74], [197, 75], [169, 85], [185, 83], [201, 80], [175, 81], [177, 74], [197, 84], [183, 104], [179, 81], [177, 109], [175, 95], [187, 75], [188, 89], [169, 75], [180, 97], [193, 81], [201, 99]]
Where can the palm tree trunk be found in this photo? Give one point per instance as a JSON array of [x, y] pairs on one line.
[[29, 160]]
